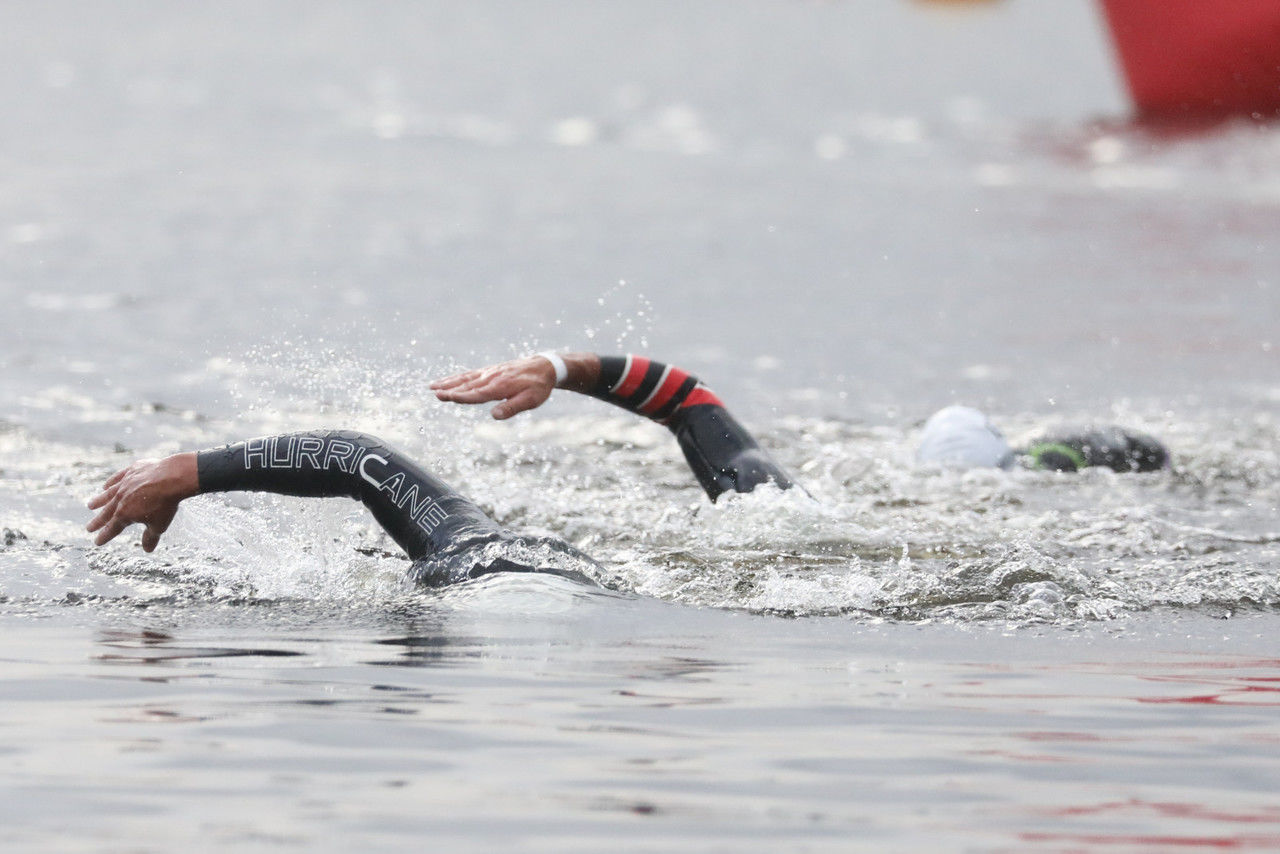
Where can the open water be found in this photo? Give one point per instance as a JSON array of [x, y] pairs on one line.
[[241, 218]]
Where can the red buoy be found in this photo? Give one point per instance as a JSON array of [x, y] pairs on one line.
[[1199, 59]]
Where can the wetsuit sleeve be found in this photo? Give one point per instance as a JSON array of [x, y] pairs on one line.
[[723, 455], [420, 512]]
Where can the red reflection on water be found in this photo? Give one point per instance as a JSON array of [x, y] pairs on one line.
[[1164, 841], [1267, 815], [1021, 757], [1224, 843], [1233, 691], [1218, 683], [1228, 688], [1208, 664]]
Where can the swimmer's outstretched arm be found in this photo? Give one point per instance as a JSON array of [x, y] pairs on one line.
[[421, 513], [723, 455]]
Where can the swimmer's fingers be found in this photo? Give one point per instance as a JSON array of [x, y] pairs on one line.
[[115, 484], [101, 519], [497, 382], [476, 378], [456, 395], [101, 498], [157, 523], [475, 387], [109, 533], [529, 398], [517, 394], [494, 388], [108, 491], [454, 380], [109, 522], [150, 539], [113, 520]]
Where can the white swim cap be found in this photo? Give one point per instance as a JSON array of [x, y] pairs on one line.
[[962, 436]]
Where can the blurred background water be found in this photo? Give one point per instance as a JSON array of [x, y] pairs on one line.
[[224, 221]]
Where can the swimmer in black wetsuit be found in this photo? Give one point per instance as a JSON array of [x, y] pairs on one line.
[[448, 537]]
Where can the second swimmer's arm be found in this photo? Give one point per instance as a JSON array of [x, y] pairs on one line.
[[722, 454]]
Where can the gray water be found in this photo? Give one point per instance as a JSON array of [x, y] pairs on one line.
[[222, 222]]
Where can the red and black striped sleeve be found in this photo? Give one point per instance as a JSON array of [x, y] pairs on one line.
[[650, 388], [723, 455]]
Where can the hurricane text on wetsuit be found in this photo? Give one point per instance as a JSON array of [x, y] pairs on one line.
[[420, 512]]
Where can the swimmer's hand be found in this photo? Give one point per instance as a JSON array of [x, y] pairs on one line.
[[521, 384], [148, 493]]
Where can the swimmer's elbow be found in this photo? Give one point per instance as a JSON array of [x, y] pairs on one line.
[[753, 467], [744, 473]]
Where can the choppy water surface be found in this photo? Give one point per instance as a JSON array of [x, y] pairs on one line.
[[211, 231]]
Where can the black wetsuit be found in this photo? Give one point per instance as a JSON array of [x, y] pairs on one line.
[[447, 536]]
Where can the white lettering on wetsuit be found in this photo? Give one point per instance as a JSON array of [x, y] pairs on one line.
[[289, 452], [365, 475], [310, 452]]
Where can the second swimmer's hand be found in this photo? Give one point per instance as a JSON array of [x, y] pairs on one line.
[[147, 492], [520, 384]]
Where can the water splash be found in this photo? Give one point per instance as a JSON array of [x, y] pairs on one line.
[[874, 537]]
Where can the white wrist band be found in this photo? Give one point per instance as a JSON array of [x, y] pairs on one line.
[[562, 370]]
